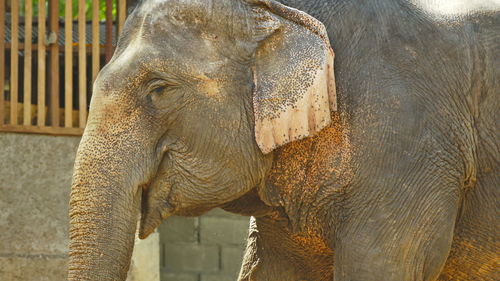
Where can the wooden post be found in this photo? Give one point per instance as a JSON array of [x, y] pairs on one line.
[[82, 65], [95, 39], [14, 62], [41, 62], [2, 63], [68, 65], [28, 27], [122, 13], [108, 48], [54, 64]]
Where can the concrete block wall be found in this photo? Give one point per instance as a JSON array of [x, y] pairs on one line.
[[206, 248], [145, 263]]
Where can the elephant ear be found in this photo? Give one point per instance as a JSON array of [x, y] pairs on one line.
[[294, 85]]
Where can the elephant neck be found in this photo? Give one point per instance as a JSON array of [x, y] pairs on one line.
[[309, 177]]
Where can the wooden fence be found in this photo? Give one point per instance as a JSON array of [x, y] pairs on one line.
[[38, 50]]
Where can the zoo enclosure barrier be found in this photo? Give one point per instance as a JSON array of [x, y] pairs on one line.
[[50, 54]]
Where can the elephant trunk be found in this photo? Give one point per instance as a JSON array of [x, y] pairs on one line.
[[104, 207]]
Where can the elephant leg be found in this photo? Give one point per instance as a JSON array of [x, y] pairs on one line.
[[474, 254], [475, 251], [273, 255], [405, 239], [263, 260]]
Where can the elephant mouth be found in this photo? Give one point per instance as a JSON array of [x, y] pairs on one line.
[[152, 211]]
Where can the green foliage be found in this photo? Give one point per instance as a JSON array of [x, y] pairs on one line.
[[62, 7]]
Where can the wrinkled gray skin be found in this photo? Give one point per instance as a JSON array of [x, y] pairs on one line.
[[171, 131]]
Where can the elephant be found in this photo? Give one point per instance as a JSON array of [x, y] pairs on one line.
[[383, 166]]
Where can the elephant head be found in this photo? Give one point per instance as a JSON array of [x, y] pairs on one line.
[[186, 115]]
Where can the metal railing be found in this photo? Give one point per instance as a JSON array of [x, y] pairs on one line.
[[49, 58]]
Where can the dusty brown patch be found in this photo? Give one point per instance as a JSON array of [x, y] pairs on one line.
[[312, 241], [314, 160], [303, 167], [470, 260], [211, 87]]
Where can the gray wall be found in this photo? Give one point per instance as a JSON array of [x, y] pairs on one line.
[[208, 248], [35, 177]]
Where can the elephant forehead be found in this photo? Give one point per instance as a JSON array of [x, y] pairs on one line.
[[188, 9], [131, 43], [206, 16], [133, 58], [167, 35], [182, 12], [127, 56], [124, 67]]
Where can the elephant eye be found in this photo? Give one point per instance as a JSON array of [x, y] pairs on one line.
[[159, 85], [159, 89]]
